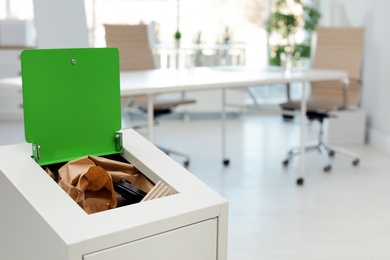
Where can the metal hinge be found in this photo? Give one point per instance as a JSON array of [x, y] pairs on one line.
[[36, 152], [118, 142]]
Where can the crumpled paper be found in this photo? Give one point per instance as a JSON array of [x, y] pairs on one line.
[[89, 181]]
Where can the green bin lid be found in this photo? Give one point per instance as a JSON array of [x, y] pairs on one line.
[[71, 101]]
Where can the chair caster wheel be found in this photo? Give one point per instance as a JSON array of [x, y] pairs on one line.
[[331, 153], [226, 162], [355, 162], [285, 162], [300, 181], [327, 168], [186, 163]]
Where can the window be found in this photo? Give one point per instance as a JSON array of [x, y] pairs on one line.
[[201, 21], [16, 9]]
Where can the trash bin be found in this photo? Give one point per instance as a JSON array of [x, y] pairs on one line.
[[72, 109]]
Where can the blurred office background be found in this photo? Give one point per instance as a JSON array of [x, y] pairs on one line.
[[342, 215]]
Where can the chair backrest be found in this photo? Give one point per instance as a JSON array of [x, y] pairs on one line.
[[135, 53], [339, 49], [133, 43]]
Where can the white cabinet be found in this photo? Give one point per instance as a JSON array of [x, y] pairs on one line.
[[10, 62], [345, 127], [16, 32], [10, 99], [11, 105], [39, 220]]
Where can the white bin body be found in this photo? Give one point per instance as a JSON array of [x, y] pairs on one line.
[[40, 221]]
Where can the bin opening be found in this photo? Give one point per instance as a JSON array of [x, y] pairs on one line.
[[101, 183]]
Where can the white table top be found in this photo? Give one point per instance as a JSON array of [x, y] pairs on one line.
[[203, 78], [159, 81]]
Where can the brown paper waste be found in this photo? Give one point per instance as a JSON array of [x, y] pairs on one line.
[[89, 181]]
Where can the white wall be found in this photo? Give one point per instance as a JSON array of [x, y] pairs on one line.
[[374, 16], [60, 24]]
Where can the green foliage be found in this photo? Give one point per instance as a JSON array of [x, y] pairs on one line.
[[312, 17], [275, 55], [177, 35], [285, 23], [302, 50]]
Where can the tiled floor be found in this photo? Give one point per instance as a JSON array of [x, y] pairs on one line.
[[342, 215]]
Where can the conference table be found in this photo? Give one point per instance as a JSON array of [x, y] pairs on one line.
[[160, 81]]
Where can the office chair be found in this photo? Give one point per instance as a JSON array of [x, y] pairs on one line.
[[135, 52], [338, 49]]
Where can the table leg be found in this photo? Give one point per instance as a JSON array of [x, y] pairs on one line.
[[226, 161], [186, 116], [150, 118], [300, 179]]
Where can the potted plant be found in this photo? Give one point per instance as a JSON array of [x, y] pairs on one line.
[[177, 37], [287, 20]]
